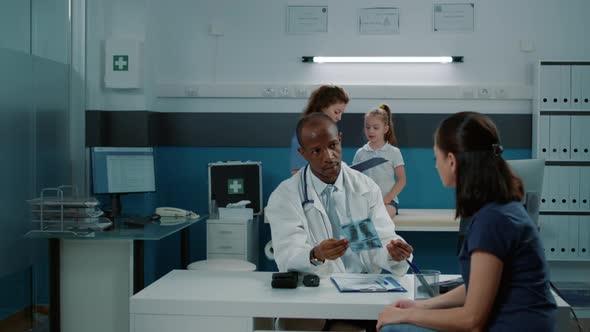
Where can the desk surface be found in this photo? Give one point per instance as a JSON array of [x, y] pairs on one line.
[[180, 294], [151, 231], [249, 294], [426, 220]]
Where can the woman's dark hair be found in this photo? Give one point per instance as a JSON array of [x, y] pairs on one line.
[[384, 112], [325, 96], [483, 176]]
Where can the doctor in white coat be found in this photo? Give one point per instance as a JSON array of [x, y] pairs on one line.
[[304, 237]]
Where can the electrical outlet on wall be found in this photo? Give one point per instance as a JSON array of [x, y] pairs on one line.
[[268, 92], [283, 92], [500, 93], [191, 92], [301, 92], [468, 92], [483, 93]]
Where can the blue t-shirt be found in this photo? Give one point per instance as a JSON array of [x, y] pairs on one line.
[[524, 301], [297, 160]]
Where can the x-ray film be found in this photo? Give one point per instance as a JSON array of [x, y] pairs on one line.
[[361, 235]]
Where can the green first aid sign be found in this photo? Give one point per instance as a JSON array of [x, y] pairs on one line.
[[120, 63], [235, 186]]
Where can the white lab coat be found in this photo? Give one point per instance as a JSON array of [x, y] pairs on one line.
[[295, 231]]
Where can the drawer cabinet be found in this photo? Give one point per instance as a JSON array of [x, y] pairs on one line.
[[236, 239]]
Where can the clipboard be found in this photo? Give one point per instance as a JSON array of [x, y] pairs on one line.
[[369, 163], [365, 283]]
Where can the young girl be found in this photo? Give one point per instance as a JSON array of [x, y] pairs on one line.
[[381, 143], [502, 261], [330, 99]]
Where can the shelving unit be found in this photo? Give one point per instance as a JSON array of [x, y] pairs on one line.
[[561, 136]]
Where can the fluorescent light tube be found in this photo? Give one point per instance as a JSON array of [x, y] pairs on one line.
[[382, 59]]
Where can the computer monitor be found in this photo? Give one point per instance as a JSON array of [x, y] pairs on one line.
[[530, 171], [119, 170]]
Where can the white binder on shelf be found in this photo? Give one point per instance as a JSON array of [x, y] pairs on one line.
[[580, 87], [559, 137], [552, 182], [577, 134], [572, 241], [563, 188], [548, 235], [585, 188], [555, 139], [550, 87], [584, 237], [563, 234], [543, 136], [565, 87], [545, 196], [573, 175], [585, 145], [564, 132]]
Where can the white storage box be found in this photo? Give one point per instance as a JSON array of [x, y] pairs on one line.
[[236, 213], [234, 181]]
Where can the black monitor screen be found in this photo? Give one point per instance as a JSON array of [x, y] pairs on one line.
[[122, 170]]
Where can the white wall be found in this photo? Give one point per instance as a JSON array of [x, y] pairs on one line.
[[256, 51]]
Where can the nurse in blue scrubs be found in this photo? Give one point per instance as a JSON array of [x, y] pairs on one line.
[[330, 99]]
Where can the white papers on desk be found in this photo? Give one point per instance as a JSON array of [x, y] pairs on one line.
[[369, 283]]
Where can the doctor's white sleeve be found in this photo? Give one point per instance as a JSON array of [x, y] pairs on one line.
[[290, 240]]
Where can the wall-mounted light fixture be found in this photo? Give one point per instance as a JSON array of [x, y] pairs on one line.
[[381, 59]]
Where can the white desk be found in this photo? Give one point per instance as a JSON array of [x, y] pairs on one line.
[[221, 301], [426, 220]]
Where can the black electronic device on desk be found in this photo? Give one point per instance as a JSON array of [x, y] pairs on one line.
[[285, 279], [136, 221]]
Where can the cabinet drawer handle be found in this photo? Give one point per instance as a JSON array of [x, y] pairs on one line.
[[225, 247], [225, 232]]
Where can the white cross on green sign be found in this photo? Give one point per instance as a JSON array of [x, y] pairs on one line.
[[235, 186], [120, 62]]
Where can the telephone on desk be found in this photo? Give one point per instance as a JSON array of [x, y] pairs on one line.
[[175, 212], [166, 216]]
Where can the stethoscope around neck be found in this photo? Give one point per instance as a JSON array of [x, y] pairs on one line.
[[306, 199]]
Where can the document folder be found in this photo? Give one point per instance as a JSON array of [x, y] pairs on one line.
[[369, 163], [366, 283]]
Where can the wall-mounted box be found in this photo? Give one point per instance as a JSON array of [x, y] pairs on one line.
[[123, 64]]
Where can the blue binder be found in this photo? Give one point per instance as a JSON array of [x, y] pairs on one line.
[[365, 283]]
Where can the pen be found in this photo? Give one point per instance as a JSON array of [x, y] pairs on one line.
[[423, 281]]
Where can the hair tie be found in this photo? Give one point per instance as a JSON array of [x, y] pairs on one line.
[[497, 149]]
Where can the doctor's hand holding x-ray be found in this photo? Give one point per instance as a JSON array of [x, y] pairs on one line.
[[332, 249], [305, 236]]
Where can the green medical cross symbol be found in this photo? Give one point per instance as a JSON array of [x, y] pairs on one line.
[[235, 186], [120, 62]]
